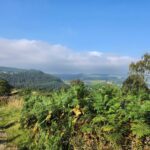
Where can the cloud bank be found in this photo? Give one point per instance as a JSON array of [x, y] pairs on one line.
[[55, 58]]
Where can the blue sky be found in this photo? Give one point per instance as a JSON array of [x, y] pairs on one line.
[[118, 27]]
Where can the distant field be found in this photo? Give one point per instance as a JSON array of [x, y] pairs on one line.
[[93, 78]]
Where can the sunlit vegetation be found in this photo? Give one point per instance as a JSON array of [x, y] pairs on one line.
[[10, 112], [84, 117]]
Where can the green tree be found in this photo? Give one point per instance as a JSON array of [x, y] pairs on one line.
[[5, 88], [138, 73], [141, 67], [76, 83], [134, 84]]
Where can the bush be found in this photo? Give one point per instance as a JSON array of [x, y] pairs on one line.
[[5, 88], [134, 84], [98, 119]]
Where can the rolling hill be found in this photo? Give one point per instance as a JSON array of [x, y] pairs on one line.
[[34, 79]]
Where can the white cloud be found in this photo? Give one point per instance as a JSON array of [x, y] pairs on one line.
[[58, 58], [95, 53]]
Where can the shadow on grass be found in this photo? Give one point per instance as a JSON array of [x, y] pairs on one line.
[[8, 140], [8, 125]]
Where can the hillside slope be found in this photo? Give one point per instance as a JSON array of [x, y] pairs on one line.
[[34, 79]]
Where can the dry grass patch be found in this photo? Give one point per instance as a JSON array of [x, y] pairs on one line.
[[15, 101]]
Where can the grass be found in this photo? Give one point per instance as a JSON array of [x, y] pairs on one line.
[[10, 122], [10, 112]]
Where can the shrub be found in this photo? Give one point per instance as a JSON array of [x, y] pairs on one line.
[[134, 84], [99, 119], [5, 88]]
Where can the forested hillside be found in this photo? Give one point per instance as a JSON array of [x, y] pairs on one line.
[[32, 79]]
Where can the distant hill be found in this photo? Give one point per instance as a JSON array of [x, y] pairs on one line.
[[34, 79], [88, 78]]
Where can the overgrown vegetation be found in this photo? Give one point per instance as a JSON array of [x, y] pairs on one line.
[[10, 112], [5, 88], [101, 118], [96, 117]]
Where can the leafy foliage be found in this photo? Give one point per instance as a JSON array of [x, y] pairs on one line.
[[141, 67], [134, 84], [100, 117], [138, 75], [5, 88]]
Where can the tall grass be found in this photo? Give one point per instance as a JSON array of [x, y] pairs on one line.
[[10, 111], [15, 102]]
